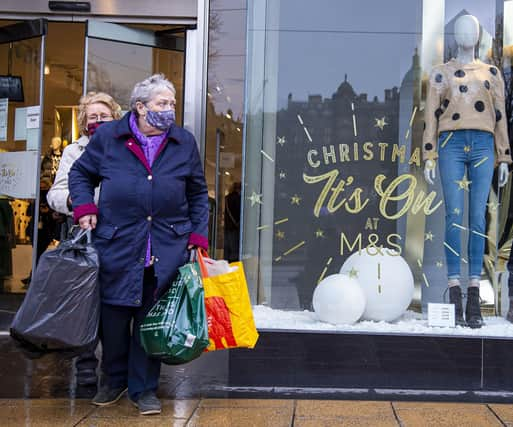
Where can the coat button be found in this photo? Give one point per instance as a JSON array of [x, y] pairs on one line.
[[141, 260], [149, 218], [156, 259], [137, 301], [150, 177]]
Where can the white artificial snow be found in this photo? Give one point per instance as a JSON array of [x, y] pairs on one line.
[[411, 323]]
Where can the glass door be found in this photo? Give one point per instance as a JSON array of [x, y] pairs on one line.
[[118, 56], [22, 64]]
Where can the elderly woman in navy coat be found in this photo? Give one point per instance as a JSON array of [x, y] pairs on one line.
[[153, 207]]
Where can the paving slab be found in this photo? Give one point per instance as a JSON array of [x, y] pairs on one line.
[[247, 403], [420, 414], [43, 412], [504, 412], [124, 413], [310, 413], [277, 416]]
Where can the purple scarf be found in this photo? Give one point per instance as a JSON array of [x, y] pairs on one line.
[[150, 146]]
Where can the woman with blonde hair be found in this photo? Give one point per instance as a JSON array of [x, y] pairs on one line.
[[95, 108]]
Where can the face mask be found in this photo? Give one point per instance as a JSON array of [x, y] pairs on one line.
[[161, 120], [91, 128]]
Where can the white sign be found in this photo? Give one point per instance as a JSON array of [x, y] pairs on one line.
[[441, 315], [20, 124], [33, 114], [4, 108], [18, 174]]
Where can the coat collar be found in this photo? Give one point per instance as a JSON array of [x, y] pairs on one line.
[[122, 128]]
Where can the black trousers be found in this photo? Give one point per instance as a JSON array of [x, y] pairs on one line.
[[124, 361]]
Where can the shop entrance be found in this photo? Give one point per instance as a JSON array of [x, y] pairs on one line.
[[45, 67]]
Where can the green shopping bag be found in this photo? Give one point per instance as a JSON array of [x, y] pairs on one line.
[[175, 330]]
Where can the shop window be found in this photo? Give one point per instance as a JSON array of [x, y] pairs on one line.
[[334, 169]]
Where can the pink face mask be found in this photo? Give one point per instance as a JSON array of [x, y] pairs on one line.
[[91, 128]]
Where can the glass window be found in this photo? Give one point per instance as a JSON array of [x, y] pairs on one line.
[[337, 96], [223, 149]]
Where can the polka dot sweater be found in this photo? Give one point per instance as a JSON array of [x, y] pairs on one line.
[[465, 96]]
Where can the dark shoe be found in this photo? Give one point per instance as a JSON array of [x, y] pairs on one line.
[[455, 298], [107, 396], [473, 310], [148, 404], [86, 377]]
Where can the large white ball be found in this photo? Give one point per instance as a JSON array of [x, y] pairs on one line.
[[339, 299], [386, 280]]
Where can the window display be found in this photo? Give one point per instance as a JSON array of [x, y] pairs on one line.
[[371, 146]]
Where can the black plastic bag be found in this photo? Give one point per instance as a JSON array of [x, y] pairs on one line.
[[61, 310]]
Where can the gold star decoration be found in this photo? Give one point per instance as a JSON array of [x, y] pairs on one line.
[[380, 123], [439, 264], [280, 235], [319, 233], [456, 211], [353, 273], [255, 198], [429, 236], [283, 175], [493, 206], [466, 149], [464, 183], [281, 140], [295, 200]]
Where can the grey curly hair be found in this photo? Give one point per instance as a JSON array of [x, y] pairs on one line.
[[145, 90]]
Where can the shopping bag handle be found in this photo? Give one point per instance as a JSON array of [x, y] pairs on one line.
[[198, 255], [80, 235]]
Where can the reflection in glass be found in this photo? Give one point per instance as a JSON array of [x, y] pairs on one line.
[[505, 227], [23, 59], [335, 118], [225, 127], [115, 67]]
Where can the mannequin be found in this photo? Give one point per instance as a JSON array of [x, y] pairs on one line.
[[52, 160], [466, 131]]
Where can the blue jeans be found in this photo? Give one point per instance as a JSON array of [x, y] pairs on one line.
[[470, 151]]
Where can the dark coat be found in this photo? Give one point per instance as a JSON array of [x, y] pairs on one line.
[[168, 200]]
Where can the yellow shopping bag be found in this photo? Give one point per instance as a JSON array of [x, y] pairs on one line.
[[229, 314]]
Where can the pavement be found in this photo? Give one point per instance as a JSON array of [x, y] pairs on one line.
[[254, 412], [43, 392]]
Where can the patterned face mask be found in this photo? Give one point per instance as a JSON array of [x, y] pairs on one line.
[[161, 120], [91, 128]]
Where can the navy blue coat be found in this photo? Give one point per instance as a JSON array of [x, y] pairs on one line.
[[168, 200]]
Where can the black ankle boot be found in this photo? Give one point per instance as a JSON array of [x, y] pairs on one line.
[[473, 310], [455, 298]]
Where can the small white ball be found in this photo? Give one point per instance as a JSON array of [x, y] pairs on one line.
[[339, 299], [387, 281]]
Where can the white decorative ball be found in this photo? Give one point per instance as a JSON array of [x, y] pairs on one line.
[[386, 280], [339, 299]]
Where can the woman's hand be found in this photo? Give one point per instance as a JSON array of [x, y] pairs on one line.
[[191, 247], [87, 222]]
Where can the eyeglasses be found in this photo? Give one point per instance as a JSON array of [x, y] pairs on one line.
[[99, 117]]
